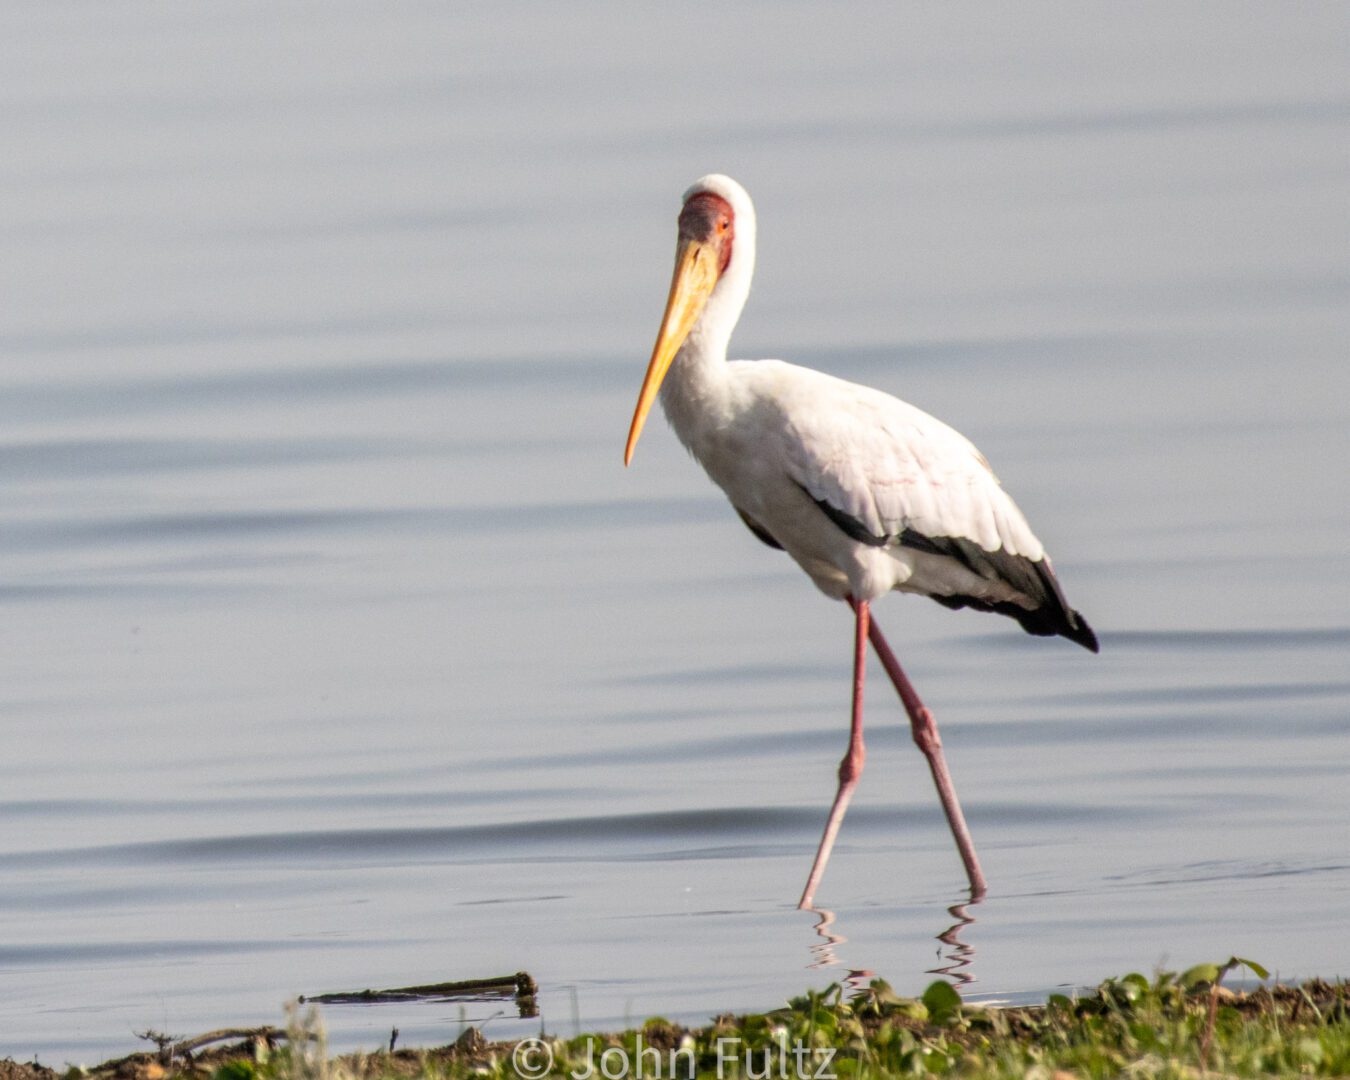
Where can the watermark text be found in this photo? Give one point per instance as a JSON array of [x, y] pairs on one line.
[[731, 1059]]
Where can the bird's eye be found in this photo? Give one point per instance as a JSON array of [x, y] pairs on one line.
[[722, 224]]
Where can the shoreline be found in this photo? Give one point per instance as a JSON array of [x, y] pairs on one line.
[[1172, 1024]]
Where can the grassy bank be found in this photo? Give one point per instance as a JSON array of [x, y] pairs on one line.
[[1171, 1025]]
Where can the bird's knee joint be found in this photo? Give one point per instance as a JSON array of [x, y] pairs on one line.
[[926, 733], [851, 767]]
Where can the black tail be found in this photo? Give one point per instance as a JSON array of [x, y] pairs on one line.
[[1036, 580], [1033, 579], [1043, 622]]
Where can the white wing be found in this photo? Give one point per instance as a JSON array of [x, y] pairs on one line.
[[884, 463]]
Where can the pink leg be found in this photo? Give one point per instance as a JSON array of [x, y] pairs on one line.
[[852, 765], [926, 738]]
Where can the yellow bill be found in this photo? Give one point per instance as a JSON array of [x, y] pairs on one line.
[[696, 272]]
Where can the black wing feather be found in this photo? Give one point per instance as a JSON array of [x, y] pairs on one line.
[[1033, 579], [759, 530]]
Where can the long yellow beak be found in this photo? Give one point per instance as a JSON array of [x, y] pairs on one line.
[[696, 272]]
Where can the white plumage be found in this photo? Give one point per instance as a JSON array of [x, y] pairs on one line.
[[867, 493], [806, 438]]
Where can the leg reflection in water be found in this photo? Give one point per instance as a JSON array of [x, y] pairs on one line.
[[823, 953], [959, 956], [954, 955]]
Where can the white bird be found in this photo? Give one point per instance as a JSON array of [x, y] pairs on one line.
[[867, 493]]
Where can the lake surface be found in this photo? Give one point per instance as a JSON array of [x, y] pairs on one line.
[[340, 651]]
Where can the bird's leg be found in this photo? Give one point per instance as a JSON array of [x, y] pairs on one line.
[[852, 766], [927, 739]]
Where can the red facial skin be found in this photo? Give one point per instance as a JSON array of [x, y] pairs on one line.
[[709, 219]]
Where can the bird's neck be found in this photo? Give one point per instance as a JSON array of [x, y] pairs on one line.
[[696, 394]]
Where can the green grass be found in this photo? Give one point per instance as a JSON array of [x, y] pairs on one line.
[[1170, 1025]]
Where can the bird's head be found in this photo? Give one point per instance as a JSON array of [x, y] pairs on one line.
[[708, 249]]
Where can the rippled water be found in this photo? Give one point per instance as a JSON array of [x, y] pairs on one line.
[[341, 652]]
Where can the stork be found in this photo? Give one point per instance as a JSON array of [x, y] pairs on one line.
[[867, 493]]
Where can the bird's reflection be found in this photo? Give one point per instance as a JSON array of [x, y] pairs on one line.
[[955, 956], [823, 953], [958, 955]]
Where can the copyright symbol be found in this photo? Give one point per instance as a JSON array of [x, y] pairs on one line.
[[533, 1059]]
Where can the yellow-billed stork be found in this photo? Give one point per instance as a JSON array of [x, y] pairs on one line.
[[867, 493]]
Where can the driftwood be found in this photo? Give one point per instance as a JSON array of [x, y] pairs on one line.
[[519, 986], [170, 1048]]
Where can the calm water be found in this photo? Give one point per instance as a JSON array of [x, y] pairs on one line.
[[340, 651]]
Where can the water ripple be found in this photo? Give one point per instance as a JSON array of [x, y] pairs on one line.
[[1192, 640], [1224, 870], [382, 378], [48, 533], [63, 952], [627, 837], [54, 458]]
